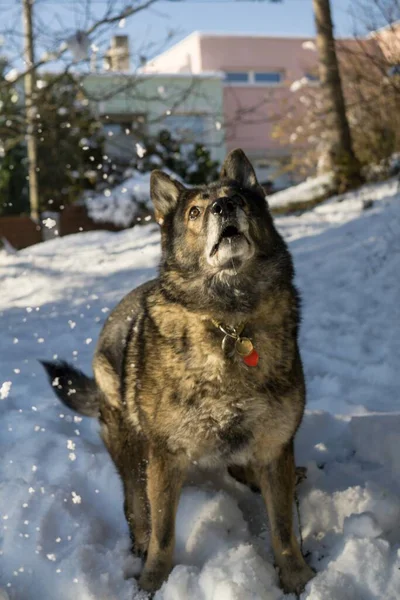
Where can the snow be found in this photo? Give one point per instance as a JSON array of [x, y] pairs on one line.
[[309, 45], [298, 84], [121, 204], [62, 528], [310, 189]]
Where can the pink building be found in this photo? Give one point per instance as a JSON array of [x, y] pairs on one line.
[[258, 71], [388, 39]]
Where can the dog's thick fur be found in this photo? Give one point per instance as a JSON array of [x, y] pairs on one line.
[[165, 393]]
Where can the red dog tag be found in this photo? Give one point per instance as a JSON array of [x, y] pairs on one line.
[[252, 359]]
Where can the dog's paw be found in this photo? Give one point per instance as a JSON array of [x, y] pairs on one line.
[[152, 578], [295, 578]]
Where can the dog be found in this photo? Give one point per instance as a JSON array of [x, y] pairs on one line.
[[202, 365]]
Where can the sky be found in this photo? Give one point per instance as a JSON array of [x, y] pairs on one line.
[[149, 30]]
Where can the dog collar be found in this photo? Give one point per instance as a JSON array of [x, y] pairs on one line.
[[233, 341]]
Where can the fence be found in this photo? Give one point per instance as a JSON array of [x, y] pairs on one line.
[[20, 231]]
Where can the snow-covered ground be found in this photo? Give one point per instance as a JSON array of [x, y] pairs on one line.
[[311, 189], [63, 534]]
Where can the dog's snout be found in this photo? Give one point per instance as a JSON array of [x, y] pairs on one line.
[[223, 207]]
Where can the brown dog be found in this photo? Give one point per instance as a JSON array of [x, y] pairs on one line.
[[202, 365]]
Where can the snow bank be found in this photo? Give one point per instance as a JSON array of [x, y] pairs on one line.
[[119, 205], [62, 529], [122, 204], [311, 189]]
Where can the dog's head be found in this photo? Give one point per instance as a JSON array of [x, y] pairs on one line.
[[215, 235]]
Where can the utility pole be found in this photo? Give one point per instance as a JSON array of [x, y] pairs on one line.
[[30, 109], [345, 160]]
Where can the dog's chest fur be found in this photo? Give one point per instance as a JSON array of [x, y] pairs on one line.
[[214, 409]]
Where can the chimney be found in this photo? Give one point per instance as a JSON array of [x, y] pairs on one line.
[[116, 58]]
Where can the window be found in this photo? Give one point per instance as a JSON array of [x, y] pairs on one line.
[[118, 123], [237, 77], [254, 77], [187, 128], [312, 77], [112, 128], [267, 77], [121, 132]]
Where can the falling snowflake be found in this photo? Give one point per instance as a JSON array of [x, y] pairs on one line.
[[76, 499], [49, 223], [70, 445], [309, 45], [140, 150], [297, 85], [5, 389], [11, 75], [72, 456]]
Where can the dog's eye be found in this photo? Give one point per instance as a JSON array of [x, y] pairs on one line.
[[194, 213]]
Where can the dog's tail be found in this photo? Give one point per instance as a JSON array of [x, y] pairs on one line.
[[75, 389]]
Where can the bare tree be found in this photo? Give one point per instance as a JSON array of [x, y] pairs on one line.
[[371, 70], [370, 78], [342, 158], [67, 56], [30, 111]]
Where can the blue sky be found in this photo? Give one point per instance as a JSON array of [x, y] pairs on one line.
[[148, 30]]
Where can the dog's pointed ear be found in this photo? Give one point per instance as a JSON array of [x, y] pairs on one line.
[[164, 192], [237, 167]]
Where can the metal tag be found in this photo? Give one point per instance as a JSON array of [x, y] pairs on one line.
[[244, 346]]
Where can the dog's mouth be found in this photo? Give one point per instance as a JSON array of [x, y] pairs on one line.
[[230, 233]]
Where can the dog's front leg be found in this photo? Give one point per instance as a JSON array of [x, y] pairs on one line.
[[277, 482], [165, 475]]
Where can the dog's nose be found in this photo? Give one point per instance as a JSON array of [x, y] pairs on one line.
[[223, 207]]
